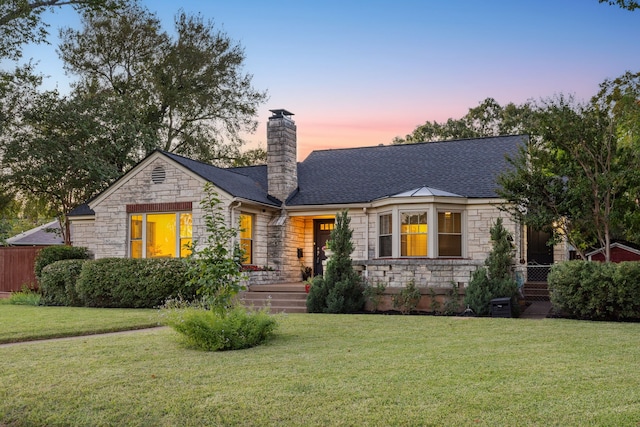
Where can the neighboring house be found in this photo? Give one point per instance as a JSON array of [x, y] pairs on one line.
[[620, 251], [18, 259], [418, 212]]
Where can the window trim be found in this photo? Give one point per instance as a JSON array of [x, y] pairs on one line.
[[379, 234], [179, 238], [462, 233], [251, 239], [419, 211]]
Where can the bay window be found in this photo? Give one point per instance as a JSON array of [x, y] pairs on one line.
[[413, 234], [449, 234], [385, 234]]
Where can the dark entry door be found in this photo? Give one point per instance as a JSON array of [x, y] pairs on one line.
[[539, 255], [321, 233]]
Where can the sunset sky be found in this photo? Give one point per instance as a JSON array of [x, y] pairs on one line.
[[359, 73]]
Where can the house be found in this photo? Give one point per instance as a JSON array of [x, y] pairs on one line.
[[17, 260], [620, 251], [418, 212]]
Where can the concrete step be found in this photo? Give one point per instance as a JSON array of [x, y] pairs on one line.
[[284, 297]]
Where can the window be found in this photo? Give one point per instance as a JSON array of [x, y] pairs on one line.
[[246, 237], [385, 235], [160, 235], [449, 234], [413, 234]]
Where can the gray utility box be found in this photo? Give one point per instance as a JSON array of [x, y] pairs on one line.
[[501, 307]]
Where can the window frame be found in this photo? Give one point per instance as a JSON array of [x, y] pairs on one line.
[[388, 235], [180, 239], [461, 233], [250, 239], [417, 211]]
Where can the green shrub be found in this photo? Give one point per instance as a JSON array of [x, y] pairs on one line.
[[51, 254], [407, 299], [495, 280], [595, 290], [341, 289], [133, 283], [375, 294], [211, 330], [58, 282], [26, 296]]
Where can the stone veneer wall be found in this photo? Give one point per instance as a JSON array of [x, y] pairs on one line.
[[108, 236]]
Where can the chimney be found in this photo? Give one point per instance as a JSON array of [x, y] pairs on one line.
[[282, 166]]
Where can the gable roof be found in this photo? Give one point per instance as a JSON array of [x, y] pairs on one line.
[[44, 235], [467, 168], [459, 168], [239, 182]]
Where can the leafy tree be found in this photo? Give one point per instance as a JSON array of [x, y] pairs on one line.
[[21, 20], [60, 154], [487, 119], [215, 268], [187, 93], [495, 279], [341, 289], [624, 4], [579, 173], [256, 156]]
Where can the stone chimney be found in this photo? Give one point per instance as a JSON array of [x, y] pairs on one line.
[[282, 166]]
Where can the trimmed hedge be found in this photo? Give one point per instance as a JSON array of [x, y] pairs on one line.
[[133, 283], [58, 282], [595, 290], [51, 254]]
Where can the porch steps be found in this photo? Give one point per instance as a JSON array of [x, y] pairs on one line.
[[536, 291], [282, 297]]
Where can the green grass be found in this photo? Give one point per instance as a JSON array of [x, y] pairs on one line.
[[26, 323], [334, 370]]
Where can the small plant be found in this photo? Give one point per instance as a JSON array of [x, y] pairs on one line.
[[216, 268], [26, 296], [435, 305], [211, 330], [374, 294], [407, 300], [306, 272], [452, 300]]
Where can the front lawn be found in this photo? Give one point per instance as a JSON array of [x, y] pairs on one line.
[[330, 370], [26, 323]]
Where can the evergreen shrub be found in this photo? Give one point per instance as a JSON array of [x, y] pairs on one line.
[[58, 283], [596, 290], [51, 254], [133, 283]]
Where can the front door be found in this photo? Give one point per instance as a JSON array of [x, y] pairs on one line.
[[321, 233], [539, 255]]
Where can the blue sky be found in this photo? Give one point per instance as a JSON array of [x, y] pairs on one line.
[[358, 73]]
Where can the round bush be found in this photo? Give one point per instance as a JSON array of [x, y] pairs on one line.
[[58, 282], [51, 254]]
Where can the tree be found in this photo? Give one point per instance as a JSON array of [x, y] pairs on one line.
[[624, 4], [187, 93], [21, 20], [341, 289], [495, 279], [61, 153], [579, 173], [487, 119], [215, 268]]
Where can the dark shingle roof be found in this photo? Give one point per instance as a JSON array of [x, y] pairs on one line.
[[233, 181], [465, 167]]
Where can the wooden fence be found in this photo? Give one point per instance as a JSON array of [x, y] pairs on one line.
[[16, 267]]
